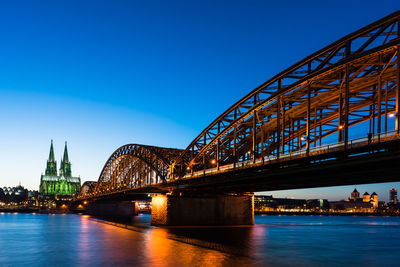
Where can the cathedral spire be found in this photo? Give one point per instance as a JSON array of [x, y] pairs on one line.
[[51, 168], [51, 155], [65, 166], [65, 158]]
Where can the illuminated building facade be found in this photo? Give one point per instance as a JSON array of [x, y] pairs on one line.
[[374, 200], [351, 206], [63, 184], [269, 203], [359, 203], [366, 197]]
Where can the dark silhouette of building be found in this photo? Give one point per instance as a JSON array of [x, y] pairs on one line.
[[2, 195], [13, 194], [393, 196]]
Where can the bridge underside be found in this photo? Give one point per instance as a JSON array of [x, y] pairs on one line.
[[379, 164]]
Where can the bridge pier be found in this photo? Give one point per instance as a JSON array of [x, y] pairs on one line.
[[122, 210], [173, 210]]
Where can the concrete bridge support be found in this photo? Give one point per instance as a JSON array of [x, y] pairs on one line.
[[122, 210], [173, 210]]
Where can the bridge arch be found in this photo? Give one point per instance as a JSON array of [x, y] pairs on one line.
[[133, 166], [351, 81], [87, 189]]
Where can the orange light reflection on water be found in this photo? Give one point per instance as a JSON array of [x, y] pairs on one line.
[[161, 250], [84, 239], [145, 246]]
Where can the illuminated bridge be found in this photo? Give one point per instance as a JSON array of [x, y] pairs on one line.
[[333, 118]]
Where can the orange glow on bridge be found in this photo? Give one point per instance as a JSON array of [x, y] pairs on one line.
[[158, 200]]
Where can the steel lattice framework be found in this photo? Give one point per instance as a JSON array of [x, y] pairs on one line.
[[87, 188], [133, 166], [351, 81]]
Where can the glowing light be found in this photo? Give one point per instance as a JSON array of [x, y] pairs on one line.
[[340, 126], [84, 202], [391, 115], [249, 152], [188, 168], [303, 138], [213, 161], [158, 201]]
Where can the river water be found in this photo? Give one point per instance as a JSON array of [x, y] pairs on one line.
[[76, 240]]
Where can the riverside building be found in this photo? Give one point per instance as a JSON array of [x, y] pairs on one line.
[[62, 184], [366, 198], [366, 204], [393, 196]]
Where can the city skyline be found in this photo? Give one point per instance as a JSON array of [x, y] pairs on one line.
[[122, 84]]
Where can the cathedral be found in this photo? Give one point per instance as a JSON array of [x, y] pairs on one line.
[[63, 184]]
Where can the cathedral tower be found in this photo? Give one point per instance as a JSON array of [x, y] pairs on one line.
[[65, 166], [51, 168]]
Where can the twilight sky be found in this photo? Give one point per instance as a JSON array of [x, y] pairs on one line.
[[101, 74]]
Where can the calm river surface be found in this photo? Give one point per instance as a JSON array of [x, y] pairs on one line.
[[75, 240]]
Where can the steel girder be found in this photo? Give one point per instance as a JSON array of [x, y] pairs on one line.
[[87, 189], [353, 80], [133, 166]]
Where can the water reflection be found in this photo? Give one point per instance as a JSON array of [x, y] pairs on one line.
[[84, 239], [232, 240], [187, 249], [53, 240]]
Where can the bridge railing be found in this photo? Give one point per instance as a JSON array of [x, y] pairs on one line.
[[325, 149]]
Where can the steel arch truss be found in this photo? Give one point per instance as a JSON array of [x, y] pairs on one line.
[[134, 166], [87, 189], [353, 80]]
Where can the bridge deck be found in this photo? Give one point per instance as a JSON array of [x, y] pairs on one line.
[[362, 161]]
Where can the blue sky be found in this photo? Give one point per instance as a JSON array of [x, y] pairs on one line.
[[100, 74]]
